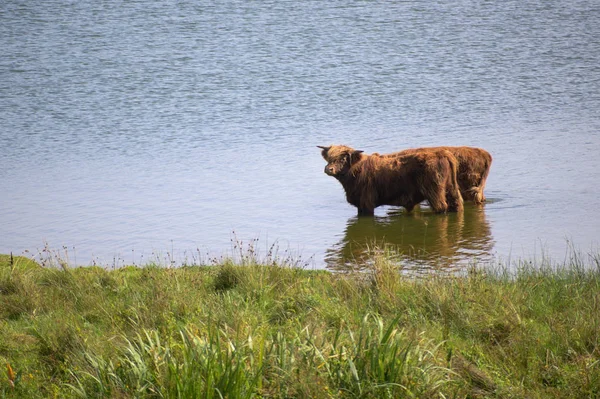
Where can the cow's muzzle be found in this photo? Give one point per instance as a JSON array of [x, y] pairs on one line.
[[330, 170]]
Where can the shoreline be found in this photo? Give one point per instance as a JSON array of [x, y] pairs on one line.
[[282, 331]]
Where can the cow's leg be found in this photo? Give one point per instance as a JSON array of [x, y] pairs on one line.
[[476, 195], [455, 201], [480, 194], [366, 211], [469, 194], [484, 176], [409, 207], [438, 205], [437, 198], [367, 204]]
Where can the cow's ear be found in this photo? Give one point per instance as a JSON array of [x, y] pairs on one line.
[[324, 152], [355, 157]]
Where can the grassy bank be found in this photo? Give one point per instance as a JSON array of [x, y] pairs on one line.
[[281, 332]]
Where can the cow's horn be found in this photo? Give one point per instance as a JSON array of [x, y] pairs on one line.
[[324, 148]]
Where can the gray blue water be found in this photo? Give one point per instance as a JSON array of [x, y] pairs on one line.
[[139, 130]]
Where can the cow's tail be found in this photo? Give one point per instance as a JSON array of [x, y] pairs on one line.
[[457, 200]]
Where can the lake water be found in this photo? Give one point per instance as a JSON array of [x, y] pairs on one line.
[[178, 130]]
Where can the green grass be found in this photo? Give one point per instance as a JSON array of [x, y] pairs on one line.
[[245, 329]]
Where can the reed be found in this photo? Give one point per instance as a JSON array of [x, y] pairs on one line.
[[241, 329]]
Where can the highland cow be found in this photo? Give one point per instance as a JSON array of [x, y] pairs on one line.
[[402, 180], [473, 169]]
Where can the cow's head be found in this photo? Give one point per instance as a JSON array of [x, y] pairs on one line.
[[340, 159]]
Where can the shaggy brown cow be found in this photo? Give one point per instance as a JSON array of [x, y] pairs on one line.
[[402, 180], [473, 169]]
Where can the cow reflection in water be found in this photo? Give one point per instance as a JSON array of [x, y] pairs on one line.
[[420, 240]]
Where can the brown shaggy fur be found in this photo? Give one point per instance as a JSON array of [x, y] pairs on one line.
[[473, 169], [402, 180]]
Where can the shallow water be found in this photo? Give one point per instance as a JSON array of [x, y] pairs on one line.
[[145, 131]]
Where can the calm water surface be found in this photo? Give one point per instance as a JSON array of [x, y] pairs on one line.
[[141, 130]]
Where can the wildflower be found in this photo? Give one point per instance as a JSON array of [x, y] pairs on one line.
[[11, 375]]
